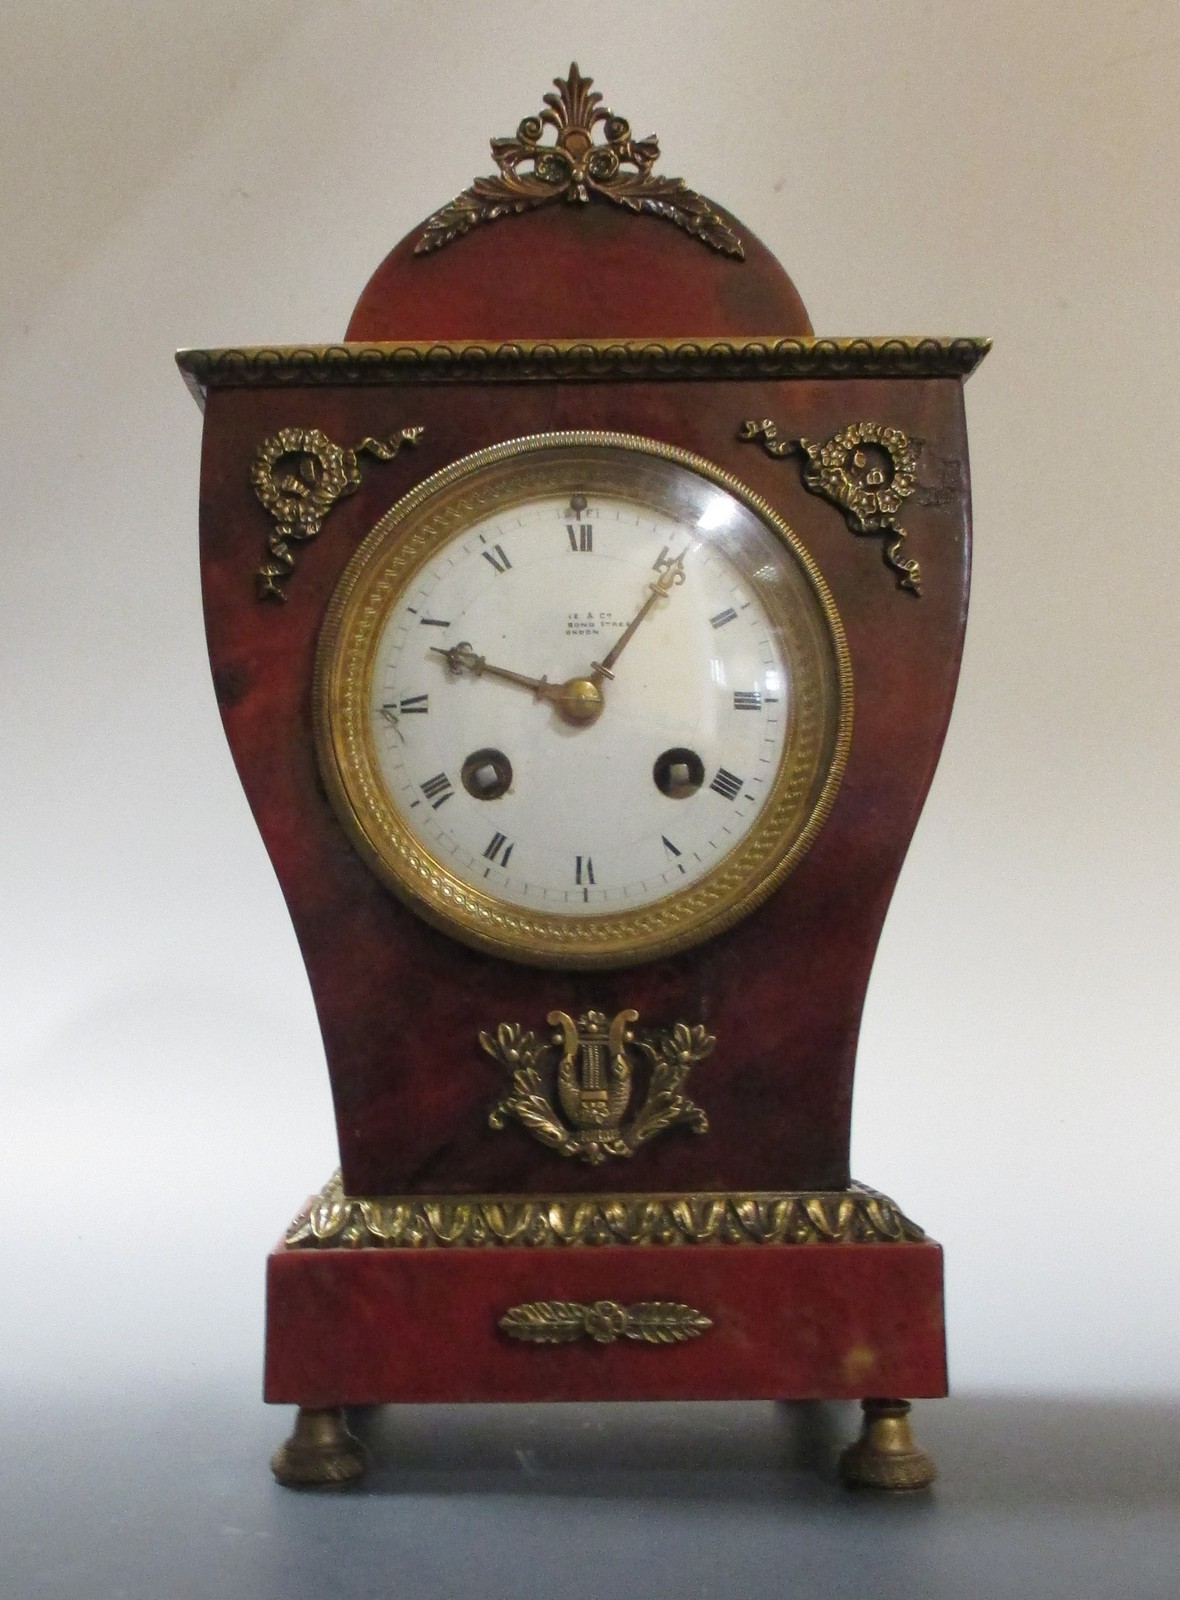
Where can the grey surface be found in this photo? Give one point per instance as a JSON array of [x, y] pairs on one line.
[[164, 1497]]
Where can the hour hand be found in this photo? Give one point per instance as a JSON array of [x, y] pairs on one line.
[[577, 701], [461, 658]]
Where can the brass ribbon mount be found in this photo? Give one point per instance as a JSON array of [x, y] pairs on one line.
[[867, 471], [298, 475]]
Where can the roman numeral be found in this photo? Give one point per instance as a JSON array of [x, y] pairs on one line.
[[438, 790], [726, 785], [722, 617], [432, 622], [747, 700], [411, 704], [583, 870], [498, 850], [581, 537], [497, 557]]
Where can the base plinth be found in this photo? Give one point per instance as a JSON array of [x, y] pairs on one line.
[[885, 1456], [854, 1308]]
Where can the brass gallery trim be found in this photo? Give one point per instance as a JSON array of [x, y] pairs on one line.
[[604, 1321], [552, 360], [857, 1215], [576, 168]]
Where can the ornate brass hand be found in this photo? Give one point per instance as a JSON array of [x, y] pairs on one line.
[[672, 574], [462, 658], [578, 700]]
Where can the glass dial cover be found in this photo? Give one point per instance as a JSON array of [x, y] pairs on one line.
[[582, 699]]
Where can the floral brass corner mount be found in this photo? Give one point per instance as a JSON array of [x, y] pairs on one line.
[[594, 1079], [298, 475], [577, 169], [604, 1321], [867, 471]]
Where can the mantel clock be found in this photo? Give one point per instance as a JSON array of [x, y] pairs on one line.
[[585, 632]]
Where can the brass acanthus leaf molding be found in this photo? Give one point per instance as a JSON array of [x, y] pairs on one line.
[[298, 475], [604, 1321], [593, 1079], [565, 360], [336, 1221], [868, 471], [576, 168]]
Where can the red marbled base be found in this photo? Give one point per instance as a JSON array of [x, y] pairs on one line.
[[790, 1322]]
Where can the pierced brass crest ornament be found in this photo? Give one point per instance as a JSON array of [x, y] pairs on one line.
[[867, 471], [298, 475], [577, 169], [577, 1104]]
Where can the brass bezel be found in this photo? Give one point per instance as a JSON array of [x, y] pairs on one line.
[[395, 548]]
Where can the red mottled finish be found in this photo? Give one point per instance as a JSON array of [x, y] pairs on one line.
[[798, 1322], [573, 271], [401, 1005]]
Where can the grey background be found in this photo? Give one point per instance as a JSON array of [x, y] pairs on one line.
[[233, 172], [164, 1495]]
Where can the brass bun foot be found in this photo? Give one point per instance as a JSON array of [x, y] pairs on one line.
[[320, 1451], [885, 1456]]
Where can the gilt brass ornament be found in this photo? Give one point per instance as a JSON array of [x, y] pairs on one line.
[[336, 1221], [593, 1080], [577, 169], [867, 471], [604, 1321], [298, 475]]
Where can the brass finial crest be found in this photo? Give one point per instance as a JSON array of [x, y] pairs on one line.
[[576, 167]]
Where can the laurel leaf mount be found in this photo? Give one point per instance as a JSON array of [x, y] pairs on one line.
[[604, 1321], [593, 1080], [575, 167]]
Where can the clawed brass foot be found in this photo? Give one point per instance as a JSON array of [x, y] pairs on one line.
[[885, 1456], [320, 1451]]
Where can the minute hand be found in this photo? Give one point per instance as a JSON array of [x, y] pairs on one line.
[[659, 590]]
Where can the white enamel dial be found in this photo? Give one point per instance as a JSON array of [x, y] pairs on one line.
[[606, 813], [582, 698]]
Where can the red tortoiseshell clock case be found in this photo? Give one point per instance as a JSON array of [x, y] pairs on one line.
[[401, 1005]]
